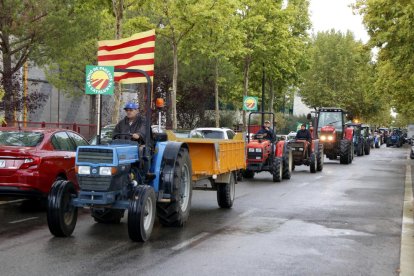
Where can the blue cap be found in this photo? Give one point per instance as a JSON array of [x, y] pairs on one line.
[[131, 105]]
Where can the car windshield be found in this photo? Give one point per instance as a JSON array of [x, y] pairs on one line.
[[330, 118], [212, 134], [20, 138]]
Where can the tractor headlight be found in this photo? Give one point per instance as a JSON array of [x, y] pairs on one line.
[[106, 170], [84, 170], [300, 149], [323, 138], [258, 150], [330, 138], [251, 149]]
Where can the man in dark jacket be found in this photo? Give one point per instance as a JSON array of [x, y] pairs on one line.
[[304, 134], [267, 131], [133, 123]]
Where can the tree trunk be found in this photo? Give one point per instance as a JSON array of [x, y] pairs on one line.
[[118, 8], [216, 93], [174, 87], [272, 95], [245, 85], [8, 86]]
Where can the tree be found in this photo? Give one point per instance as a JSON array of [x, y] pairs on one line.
[[389, 25]]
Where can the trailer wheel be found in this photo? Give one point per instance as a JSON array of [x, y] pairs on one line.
[[277, 170], [176, 212], [320, 159], [107, 216], [141, 213], [61, 214], [226, 193]]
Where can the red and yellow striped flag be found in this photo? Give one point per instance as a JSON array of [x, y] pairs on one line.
[[135, 52]]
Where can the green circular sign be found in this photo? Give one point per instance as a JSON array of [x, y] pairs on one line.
[[250, 103]]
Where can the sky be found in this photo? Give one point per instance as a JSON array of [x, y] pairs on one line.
[[336, 14]]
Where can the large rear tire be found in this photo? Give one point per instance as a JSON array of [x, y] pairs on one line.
[[107, 216], [61, 214], [141, 213], [345, 156], [176, 212], [277, 169], [367, 148], [226, 193]]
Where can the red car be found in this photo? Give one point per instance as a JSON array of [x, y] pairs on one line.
[[31, 159]]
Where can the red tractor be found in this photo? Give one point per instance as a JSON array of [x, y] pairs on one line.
[[309, 153], [266, 154], [336, 137]]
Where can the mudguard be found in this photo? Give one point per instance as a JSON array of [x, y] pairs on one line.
[[349, 133], [166, 168], [280, 148]]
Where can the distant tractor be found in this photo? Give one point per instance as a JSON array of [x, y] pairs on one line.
[[368, 137], [358, 139], [395, 138], [309, 153], [267, 155], [333, 134]]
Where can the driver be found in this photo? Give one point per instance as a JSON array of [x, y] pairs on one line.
[[267, 131], [304, 134], [133, 123]]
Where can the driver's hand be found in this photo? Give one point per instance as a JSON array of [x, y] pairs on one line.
[[135, 136]]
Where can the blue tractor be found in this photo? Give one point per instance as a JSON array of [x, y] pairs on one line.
[[154, 180], [395, 138]]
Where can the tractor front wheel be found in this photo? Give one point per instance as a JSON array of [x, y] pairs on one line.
[[345, 152], [287, 165], [61, 214], [277, 170], [313, 163], [320, 159], [141, 213]]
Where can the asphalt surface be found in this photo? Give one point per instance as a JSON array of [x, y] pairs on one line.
[[345, 220]]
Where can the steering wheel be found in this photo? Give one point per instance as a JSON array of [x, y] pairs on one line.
[[122, 134]]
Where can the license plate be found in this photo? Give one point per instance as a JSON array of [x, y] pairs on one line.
[[2, 163]]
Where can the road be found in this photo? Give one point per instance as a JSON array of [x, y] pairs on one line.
[[345, 220]]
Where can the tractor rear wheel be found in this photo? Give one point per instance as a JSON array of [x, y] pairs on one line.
[[367, 148], [287, 165], [141, 213], [277, 169], [313, 162], [176, 212], [107, 216], [226, 193], [320, 159], [61, 214], [345, 152]]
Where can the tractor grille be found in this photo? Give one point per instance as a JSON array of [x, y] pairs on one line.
[[254, 156], [88, 183], [95, 155]]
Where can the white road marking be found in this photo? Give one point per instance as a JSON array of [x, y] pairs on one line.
[[22, 220], [407, 232], [190, 241], [11, 201]]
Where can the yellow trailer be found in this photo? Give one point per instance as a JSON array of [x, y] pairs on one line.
[[216, 162]]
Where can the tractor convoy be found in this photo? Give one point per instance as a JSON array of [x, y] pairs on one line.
[[156, 180]]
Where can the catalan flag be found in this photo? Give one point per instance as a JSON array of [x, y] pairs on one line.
[[135, 52]]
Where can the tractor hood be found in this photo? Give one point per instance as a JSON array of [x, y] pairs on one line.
[[328, 129]]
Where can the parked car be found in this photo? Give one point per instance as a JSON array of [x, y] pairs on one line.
[[188, 134], [32, 159], [216, 132]]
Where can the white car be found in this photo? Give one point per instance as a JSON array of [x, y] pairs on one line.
[[216, 132]]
